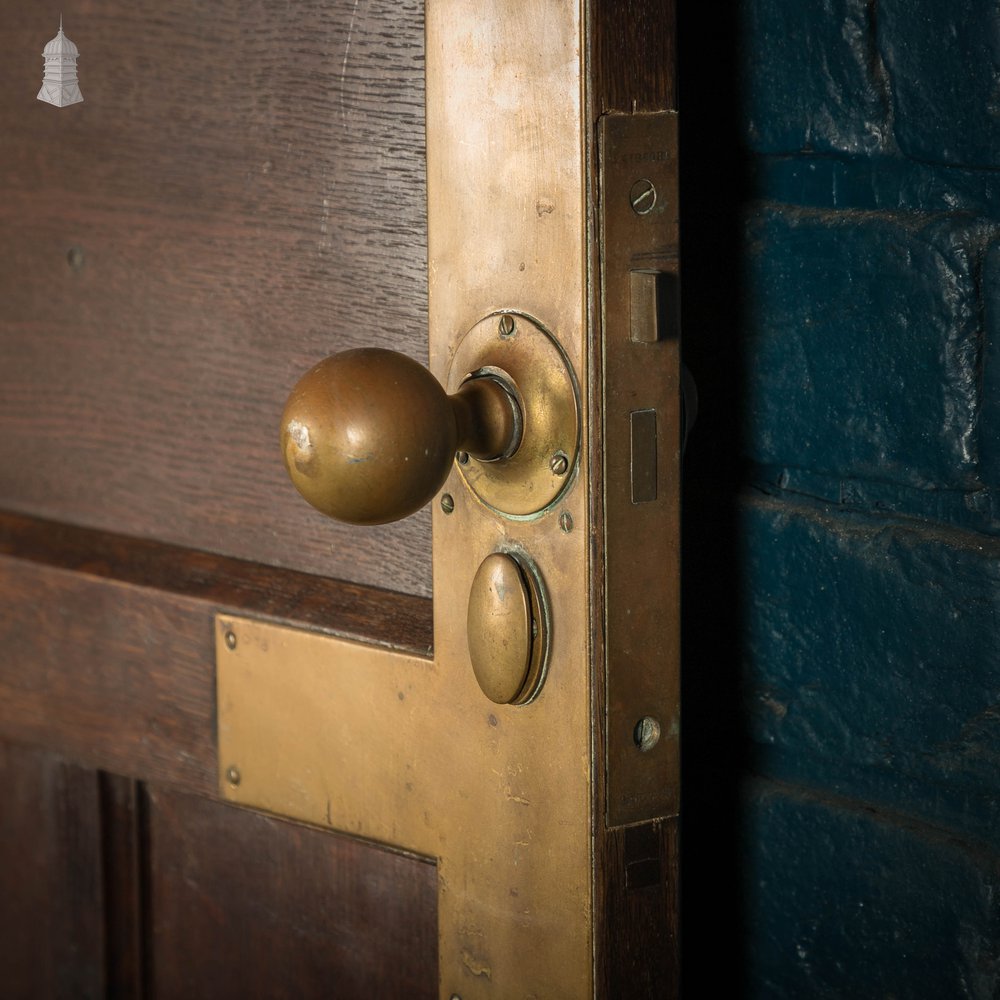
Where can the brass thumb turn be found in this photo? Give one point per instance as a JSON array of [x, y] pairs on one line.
[[369, 435]]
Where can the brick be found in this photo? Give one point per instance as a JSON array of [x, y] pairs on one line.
[[862, 339], [845, 901], [943, 61], [870, 659], [811, 77]]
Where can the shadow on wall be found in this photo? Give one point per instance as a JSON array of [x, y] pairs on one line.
[[715, 187]]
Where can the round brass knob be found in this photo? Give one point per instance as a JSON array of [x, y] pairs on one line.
[[368, 436]]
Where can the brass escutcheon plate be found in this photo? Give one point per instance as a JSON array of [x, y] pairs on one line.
[[529, 482]]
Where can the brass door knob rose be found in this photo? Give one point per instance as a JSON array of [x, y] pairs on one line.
[[369, 435]]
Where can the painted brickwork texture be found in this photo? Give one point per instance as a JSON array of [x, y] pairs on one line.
[[871, 521]]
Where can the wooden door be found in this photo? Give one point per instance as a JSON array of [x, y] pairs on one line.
[[242, 192]]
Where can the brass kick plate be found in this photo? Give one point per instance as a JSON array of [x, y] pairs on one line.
[[642, 451]]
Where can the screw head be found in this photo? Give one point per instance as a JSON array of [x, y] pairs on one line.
[[646, 733], [507, 326], [566, 521], [233, 775], [447, 503], [559, 464], [642, 197], [463, 458], [230, 639]]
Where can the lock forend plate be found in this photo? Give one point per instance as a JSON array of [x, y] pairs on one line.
[[642, 455]]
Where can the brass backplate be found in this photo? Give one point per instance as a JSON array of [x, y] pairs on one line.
[[507, 231], [538, 473], [642, 453]]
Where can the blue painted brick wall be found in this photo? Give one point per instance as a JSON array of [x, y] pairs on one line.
[[871, 659], [811, 77], [865, 339], [856, 902], [870, 518], [943, 61]]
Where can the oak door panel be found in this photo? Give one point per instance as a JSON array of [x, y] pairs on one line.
[[51, 915], [113, 888], [244, 904], [242, 190]]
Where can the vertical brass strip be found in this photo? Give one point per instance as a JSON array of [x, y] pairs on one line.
[[507, 231], [642, 442]]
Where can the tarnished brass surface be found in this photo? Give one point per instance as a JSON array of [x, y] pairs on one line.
[[507, 630], [489, 417], [507, 224], [368, 435], [642, 448], [652, 313], [409, 752], [532, 359]]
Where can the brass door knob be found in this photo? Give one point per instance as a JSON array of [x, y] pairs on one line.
[[368, 436]]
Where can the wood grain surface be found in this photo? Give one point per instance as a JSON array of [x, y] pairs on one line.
[[115, 889], [640, 869], [109, 651], [125, 883], [244, 183], [634, 55], [633, 68], [51, 943], [247, 905], [399, 621]]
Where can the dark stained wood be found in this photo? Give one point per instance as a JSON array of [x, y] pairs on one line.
[[123, 883], [50, 903], [246, 183], [243, 904], [400, 621], [634, 55], [113, 676], [223, 901], [106, 665], [641, 956]]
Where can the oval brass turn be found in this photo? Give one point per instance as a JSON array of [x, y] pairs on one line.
[[507, 631]]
